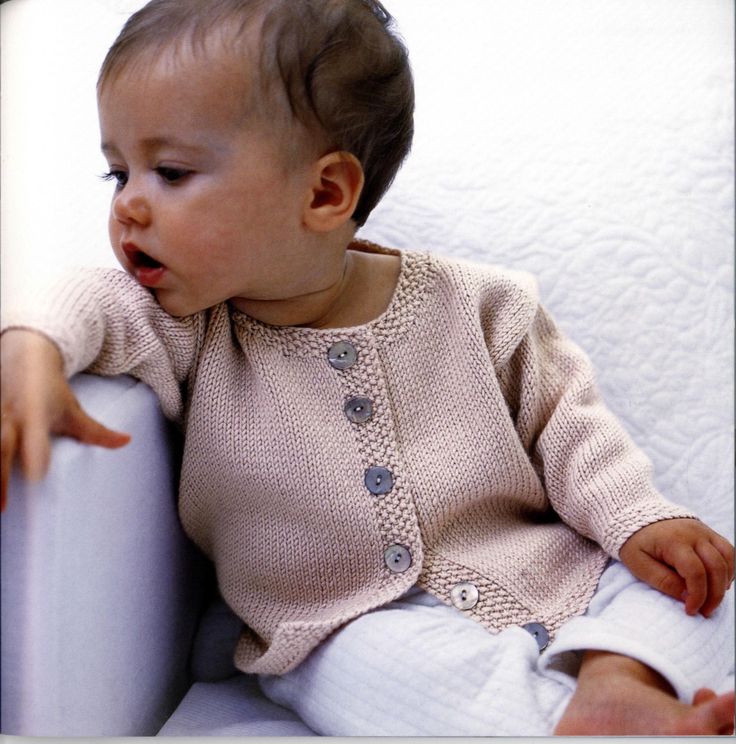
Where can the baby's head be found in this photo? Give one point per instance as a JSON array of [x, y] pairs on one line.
[[323, 75]]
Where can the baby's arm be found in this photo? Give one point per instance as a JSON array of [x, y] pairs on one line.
[[597, 480], [101, 321], [684, 559], [36, 401]]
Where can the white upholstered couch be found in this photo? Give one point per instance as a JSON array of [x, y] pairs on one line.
[[108, 612]]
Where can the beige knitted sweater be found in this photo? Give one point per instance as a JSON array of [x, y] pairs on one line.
[[501, 465]]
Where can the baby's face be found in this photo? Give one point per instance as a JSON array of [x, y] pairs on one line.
[[206, 208]]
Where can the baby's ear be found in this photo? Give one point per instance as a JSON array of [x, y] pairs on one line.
[[333, 196]]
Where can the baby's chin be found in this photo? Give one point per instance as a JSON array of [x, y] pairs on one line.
[[176, 306]]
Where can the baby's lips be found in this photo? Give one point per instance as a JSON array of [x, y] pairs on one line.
[[139, 258], [130, 251], [145, 269]]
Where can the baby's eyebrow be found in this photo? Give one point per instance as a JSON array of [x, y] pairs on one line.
[[151, 144]]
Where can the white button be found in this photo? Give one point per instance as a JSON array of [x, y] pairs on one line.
[[464, 595], [359, 410], [397, 558], [540, 634], [378, 480], [342, 355]]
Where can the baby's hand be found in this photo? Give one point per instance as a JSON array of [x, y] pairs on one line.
[[684, 559], [36, 401]]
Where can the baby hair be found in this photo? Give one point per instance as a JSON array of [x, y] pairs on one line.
[[339, 65]]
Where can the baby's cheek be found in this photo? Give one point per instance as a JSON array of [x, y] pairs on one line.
[[113, 231], [115, 244]]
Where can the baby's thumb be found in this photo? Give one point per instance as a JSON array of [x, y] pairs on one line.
[[83, 427]]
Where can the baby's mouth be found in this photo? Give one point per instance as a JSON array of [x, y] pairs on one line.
[[139, 259], [145, 269]]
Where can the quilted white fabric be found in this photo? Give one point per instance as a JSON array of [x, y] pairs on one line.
[[588, 141], [418, 667], [591, 143]]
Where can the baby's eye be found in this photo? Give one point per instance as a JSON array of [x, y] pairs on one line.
[[170, 175], [120, 178]]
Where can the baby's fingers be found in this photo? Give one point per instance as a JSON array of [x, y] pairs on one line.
[[35, 450], [717, 572], [689, 565], [655, 573], [726, 550], [78, 424]]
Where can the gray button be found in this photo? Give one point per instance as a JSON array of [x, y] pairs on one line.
[[541, 636], [379, 481], [359, 410], [342, 355], [397, 558], [464, 595]]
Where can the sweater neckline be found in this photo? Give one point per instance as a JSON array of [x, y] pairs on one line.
[[414, 277]]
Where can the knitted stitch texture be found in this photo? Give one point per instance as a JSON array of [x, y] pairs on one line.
[[508, 470]]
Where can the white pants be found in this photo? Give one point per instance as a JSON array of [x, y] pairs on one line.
[[418, 667]]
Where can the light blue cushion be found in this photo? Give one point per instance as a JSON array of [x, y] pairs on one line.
[[100, 588]]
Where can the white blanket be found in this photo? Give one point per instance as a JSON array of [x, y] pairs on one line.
[[591, 143]]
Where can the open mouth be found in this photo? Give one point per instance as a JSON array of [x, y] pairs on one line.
[[139, 259], [146, 270]]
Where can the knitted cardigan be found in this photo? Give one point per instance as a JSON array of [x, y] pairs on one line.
[[505, 469]]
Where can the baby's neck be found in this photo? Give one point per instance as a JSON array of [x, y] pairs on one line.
[[363, 293]]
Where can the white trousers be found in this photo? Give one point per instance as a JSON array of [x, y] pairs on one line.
[[417, 667]]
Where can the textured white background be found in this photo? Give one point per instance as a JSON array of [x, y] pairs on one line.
[[588, 141]]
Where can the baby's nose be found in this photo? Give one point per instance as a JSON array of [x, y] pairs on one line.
[[131, 205]]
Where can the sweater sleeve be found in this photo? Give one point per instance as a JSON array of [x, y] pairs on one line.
[[595, 477], [105, 323]]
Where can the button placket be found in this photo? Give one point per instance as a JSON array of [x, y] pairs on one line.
[[374, 434]]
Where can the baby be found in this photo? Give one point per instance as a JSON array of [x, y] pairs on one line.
[[402, 471]]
